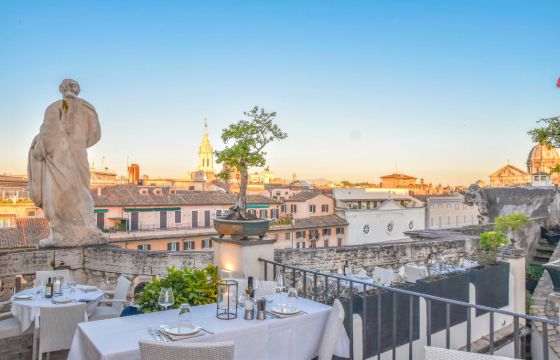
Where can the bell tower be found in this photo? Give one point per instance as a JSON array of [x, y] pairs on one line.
[[205, 152]]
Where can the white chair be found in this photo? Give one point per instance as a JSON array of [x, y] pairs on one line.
[[263, 287], [45, 275], [55, 328], [155, 350], [331, 332], [116, 304], [433, 353]]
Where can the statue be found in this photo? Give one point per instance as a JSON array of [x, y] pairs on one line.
[[58, 169], [475, 196]]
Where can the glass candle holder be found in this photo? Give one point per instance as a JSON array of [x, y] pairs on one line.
[[226, 306], [57, 285]]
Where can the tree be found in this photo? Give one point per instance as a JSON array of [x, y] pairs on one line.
[[248, 138], [549, 133]]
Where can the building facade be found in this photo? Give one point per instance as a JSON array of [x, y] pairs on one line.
[[447, 212]]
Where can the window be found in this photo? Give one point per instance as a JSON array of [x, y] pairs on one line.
[[311, 208], [339, 231], [431, 206], [325, 208], [287, 236], [325, 243], [274, 213], [188, 245], [206, 244], [300, 234], [143, 191], [457, 220], [283, 208], [31, 213], [439, 221], [177, 217], [191, 187], [449, 220], [300, 245], [440, 206], [173, 246], [157, 191], [431, 221], [263, 213], [276, 236], [313, 244], [144, 247], [326, 232], [293, 208], [314, 234], [219, 212], [194, 219], [207, 218], [339, 241]]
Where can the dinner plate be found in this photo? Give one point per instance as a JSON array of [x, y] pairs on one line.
[[23, 297], [180, 329], [62, 300], [283, 310]]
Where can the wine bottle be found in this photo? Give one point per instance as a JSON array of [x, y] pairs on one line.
[[250, 291], [48, 289]]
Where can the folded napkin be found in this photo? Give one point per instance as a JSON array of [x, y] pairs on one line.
[[173, 337], [23, 297], [281, 316], [87, 288]]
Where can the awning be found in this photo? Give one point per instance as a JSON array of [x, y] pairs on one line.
[[100, 211], [258, 206], [151, 209]]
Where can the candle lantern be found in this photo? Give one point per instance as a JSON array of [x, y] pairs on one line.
[[57, 285], [226, 306]]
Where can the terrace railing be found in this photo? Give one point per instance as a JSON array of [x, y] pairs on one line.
[[353, 287]]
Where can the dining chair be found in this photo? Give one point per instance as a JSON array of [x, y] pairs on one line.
[[45, 275], [113, 307], [155, 350], [331, 332], [263, 287], [433, 353], [55, 328]]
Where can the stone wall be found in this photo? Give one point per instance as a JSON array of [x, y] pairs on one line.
[[366, 257]]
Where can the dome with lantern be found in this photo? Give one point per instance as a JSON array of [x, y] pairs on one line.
[[542, 158]]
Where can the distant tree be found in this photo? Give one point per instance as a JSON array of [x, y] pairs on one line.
[[549, 133], [248, 138], [346, 183]]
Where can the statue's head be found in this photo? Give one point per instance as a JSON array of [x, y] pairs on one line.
[[69, 88]]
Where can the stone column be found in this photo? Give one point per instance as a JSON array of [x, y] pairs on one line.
[[241, 257], [516, 260]]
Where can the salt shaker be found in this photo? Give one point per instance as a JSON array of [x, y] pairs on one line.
[[261, 307], [249, 309]]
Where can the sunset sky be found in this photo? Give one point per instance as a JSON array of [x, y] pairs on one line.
[[444, 90]]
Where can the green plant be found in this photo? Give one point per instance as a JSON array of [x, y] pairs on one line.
[[511, 222], [490, 243], [190, 285], [549, 134], [249, 138], [528, 302], [534, 272]]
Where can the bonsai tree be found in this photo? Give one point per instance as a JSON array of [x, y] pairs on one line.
[[248, 138], [511, 223]]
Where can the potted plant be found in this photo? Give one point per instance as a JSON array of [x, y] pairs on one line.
[[533, 274], [511, 224], [248, 139]]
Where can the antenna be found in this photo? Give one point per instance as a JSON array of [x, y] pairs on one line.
[[205, 125]]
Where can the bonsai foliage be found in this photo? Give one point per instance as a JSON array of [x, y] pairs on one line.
[[490, 243], [248, 138], [190, 285], [548, 133], [511, 222]]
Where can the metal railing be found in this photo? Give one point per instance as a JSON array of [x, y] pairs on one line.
[[293, 274]]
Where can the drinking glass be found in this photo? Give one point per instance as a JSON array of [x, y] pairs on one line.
[[293, 300], [39, 288], [166, 299], [185, 312], [280, 286]]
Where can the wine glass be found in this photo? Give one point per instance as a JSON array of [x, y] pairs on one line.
[[293, 301], [39, 288], [166, 299]]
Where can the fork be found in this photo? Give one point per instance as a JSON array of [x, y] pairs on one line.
[[153, 333]]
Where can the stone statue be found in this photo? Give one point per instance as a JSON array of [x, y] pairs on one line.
[[58, 169], [475, 196]]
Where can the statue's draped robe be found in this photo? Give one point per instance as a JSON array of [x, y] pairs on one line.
[[59, 178]]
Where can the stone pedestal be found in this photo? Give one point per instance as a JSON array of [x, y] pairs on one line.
[[516, 260], [241, 257]]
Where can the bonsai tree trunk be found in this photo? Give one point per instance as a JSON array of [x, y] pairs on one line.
[[241, 205]]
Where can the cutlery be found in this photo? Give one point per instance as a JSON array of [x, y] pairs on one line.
[[206, 331], [162, 336], [151, 332]]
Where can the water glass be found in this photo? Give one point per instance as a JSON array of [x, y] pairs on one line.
[[280, 286], [293, 300], [185, 312]]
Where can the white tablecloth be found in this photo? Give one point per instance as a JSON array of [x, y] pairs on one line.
[[296, 338], [25, 310]]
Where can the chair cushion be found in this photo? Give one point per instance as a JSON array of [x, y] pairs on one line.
[[10, 328], [104, 312]]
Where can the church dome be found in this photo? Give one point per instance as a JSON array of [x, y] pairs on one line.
[[542, 158]]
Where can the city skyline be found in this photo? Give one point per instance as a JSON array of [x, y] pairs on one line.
[[362, 90]]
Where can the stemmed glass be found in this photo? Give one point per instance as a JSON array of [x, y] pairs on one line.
[[39, 289], [166, 299]]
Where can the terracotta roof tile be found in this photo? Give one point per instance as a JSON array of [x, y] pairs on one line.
[[319, 221], [25, 233]]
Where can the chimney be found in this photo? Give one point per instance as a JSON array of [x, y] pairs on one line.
[[134, 174]]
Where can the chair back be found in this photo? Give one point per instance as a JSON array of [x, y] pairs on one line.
[[45, 275], [154, 350], [433, 353], [57, 326], [266, 288], [121, 292], [331, 332]]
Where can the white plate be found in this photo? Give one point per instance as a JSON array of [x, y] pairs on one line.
[[62, 300], [180, 329], [283, 310], [23, 297]]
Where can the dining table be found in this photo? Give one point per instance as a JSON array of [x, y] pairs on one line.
[[295, 337], [27, 304]]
